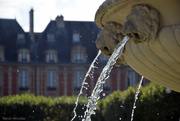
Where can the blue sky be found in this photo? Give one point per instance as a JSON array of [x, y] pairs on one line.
[[46, 10]]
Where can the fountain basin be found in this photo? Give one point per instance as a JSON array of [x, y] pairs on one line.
[[155, 56]]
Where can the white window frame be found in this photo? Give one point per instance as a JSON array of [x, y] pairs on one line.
[[21, 36], [51, 57], [24, 56], [78, 78], [50, 37], [24, 79], [51, 79], [78, 57], [76, 37]]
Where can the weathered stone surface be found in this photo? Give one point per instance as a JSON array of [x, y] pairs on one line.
[[109, 37], [142, 23], [156, 54]]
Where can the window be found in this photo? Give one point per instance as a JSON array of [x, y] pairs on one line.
[[23, 56], [78, 79], [131, 78], [51, 79], [24, 79], [50, 37], [76, 37], [78, 54], [78, 57], [20, 36], [51, 56]]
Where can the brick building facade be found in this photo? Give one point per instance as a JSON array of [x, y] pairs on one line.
[[54, 62]]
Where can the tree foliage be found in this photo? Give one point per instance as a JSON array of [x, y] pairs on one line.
[[154, 104]]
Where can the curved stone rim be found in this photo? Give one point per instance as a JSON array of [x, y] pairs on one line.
[[124, 8], [104, 8]]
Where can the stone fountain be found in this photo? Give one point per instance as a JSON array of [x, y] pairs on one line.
[[154, 27]]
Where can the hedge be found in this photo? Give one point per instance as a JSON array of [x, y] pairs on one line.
[[31, 108], [153, 104]]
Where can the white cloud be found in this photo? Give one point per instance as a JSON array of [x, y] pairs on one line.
[[45, 10]]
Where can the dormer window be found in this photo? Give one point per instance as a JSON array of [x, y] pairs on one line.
[[51, 56], [76, 37], [24, 55], [78, 54], [20, 36], [78, 57], [50, 37]]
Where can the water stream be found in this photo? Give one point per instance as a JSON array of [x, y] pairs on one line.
[[136, 97], [90, 74], [95, 95]]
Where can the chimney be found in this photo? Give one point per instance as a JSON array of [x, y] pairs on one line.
[[60, 21], [31, 27]]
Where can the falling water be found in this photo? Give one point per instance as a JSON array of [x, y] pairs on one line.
[[136, 97], [101, 80], [90, 74]]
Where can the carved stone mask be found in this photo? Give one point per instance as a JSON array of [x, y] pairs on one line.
[[142, 24], [109, 37]]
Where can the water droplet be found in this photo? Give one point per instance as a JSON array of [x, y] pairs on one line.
[[104, 94], [120, 119]]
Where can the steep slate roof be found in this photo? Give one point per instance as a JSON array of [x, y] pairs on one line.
[[9, 29], [88, 33]]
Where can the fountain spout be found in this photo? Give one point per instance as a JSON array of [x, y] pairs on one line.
[[142, 23], [109, 38], [154, 48]]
